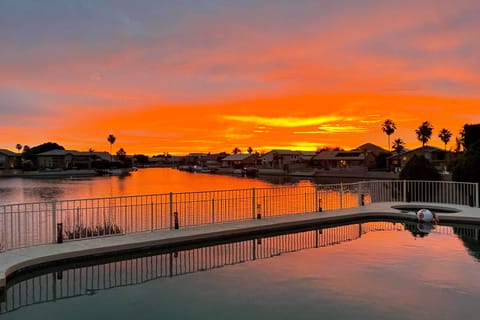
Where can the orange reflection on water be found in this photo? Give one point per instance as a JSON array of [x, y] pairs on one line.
[[378, 265]]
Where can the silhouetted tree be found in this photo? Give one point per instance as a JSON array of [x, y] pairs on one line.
[[141, 158], [121, 153], [470, 135], [249, 150], [458, 144], [445, 136], [398, 145], [388, 127], [424, 132], [122, 157], [18, 147], [467, 168], [381, 160], [111, 139], [419, 168], [329, 149], [236, 150]]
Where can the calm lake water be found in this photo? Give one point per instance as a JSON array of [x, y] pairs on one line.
[[144, 181], [368, 270]]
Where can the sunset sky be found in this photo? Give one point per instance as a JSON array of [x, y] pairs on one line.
[[211, 75]]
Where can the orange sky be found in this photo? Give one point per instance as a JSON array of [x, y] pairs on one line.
[[209, 76]]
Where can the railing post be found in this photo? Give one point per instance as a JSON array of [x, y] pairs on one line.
[[54, 221], [151, 217], [253, 203], [171, 210], [305, 203], [341, 195], [213, 210], [476, 195], [315, 199], [3, 240], [19, 230], [360, 195]]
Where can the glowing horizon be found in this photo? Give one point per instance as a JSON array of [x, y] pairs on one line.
[[209, 76]]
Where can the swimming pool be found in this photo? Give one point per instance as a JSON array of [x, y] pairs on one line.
[[367, 270]]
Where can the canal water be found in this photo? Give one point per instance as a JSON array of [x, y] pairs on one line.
[[143, 181]]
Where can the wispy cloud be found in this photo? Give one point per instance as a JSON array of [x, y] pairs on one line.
[[284, 122]]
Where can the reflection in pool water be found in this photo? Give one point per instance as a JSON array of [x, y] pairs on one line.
[[386, 272]]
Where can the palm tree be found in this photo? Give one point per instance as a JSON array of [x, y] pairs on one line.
[[458, 144], [249, 150], [398, 145], [461, 140], [389, 128], [424, 132], [19, 147], [236, 150], [111, 139], [445, 136]]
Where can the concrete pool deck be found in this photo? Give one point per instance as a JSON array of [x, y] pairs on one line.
[[14, 261]]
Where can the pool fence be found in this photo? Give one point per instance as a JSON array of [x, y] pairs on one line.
[[36, 223]]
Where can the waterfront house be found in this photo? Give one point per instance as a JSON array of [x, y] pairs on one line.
[[437, 157], [306, 157], [372, 148], [68, 159], [339, 159], [372, 155], [165, 160], [194, 158], [9, 159], [214, 160], [280, 159], [239, 161]]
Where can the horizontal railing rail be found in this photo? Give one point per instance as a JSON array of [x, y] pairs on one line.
[[30, 224]]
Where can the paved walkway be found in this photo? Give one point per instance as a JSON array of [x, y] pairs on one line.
[[16, 260]]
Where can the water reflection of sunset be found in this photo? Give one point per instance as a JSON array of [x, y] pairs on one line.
[[211, 78], [347, 266], [382, 266]]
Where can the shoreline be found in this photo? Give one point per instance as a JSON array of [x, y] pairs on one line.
[[49, 174]]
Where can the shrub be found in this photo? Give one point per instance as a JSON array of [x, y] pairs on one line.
[[419, 168], [468, 167]]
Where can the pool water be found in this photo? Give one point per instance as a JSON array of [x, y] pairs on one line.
[[369, 270]]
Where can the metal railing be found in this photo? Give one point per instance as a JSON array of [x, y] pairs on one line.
[[29, 224]]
